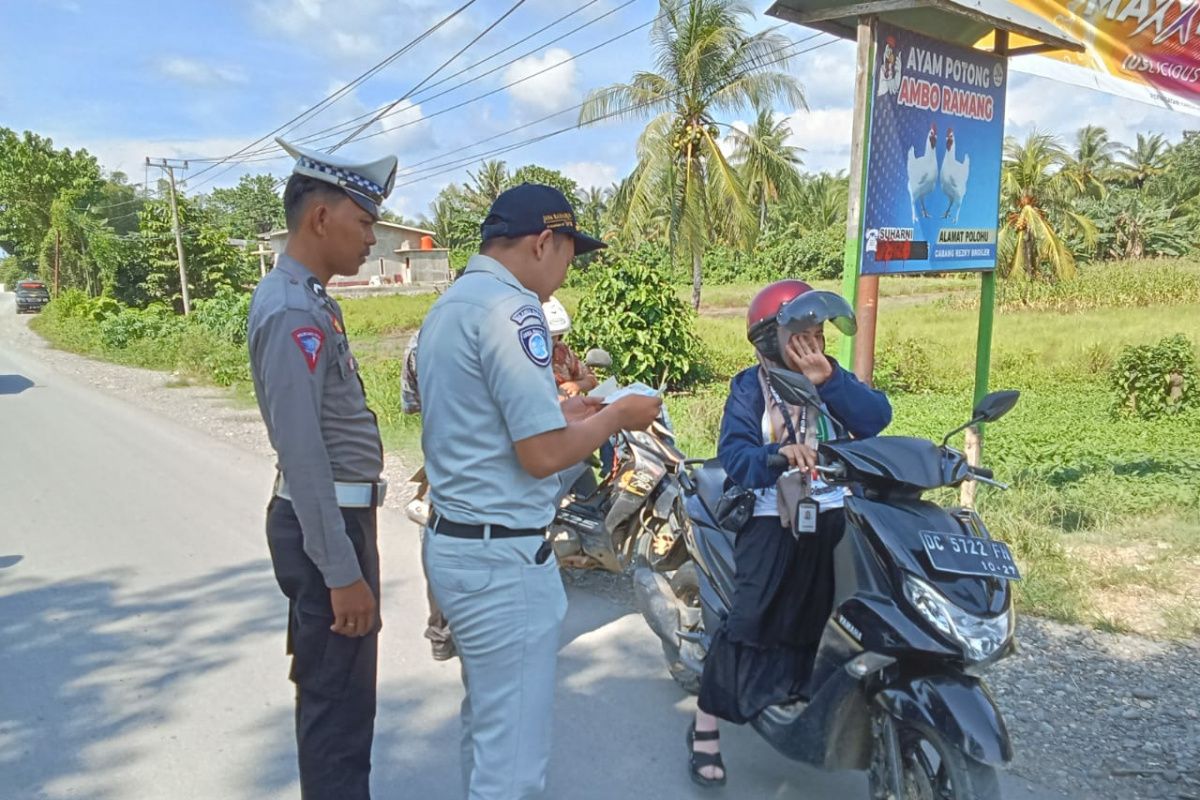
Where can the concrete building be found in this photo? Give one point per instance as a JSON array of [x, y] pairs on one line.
[[397, 259]]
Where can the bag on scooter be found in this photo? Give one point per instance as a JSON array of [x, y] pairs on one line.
[[734, 508]]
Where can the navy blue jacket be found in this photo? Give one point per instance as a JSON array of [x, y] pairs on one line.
[[862, 410]]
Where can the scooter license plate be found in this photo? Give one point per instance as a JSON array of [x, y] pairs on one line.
[[969, 555]]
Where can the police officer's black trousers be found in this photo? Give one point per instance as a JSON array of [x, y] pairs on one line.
[[334, 674]]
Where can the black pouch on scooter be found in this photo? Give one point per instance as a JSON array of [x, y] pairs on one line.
[[734, 508]]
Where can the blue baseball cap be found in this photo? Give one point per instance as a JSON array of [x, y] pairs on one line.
[[529, 209]]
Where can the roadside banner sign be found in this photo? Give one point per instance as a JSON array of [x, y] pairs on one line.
[[935, 148], [1137, 49]]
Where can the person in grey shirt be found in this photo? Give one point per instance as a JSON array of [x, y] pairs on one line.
[[321, 526], [494, 437]]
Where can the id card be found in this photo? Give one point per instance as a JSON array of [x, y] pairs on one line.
[[806, 517]]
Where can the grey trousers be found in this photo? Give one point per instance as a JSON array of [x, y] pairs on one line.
[[505, 612]]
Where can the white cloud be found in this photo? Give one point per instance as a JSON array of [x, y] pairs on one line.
[[590, 173], [360, 30], [554, 89], [824, 134], [197, 73]]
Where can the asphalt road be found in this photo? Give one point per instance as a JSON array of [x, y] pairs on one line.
[[141, 633]]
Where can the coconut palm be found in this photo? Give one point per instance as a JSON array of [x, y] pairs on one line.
[[820, 202], [487, 184], [592, 207], [706, 65], [1038, 210], [1091, 162], [770, 167], [1146, 160]]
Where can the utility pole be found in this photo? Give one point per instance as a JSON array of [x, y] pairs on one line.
[[262, 252], [169, 167], [57, 249]]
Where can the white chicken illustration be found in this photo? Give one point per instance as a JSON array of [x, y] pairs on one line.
[[923, 172], [954, 177], [889, 69]]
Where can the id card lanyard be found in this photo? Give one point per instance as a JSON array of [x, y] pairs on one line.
[[805, 519]]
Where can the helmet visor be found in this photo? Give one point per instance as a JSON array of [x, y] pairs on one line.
[[816, 308]]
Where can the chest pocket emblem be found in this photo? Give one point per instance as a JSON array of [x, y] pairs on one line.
[[536, 344]]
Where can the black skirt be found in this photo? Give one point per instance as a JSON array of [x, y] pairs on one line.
[[763, 653]]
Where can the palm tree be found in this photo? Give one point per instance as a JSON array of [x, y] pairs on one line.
[[707, 64], [820, 202], [1037, 206], [487, 184], [770, 167], [593, 204], [1091, 163], [1147, 159]]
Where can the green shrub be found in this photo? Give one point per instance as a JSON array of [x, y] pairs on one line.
[[903, 366], [633, 312], [224, 315], [1153, 380], [120, 329]]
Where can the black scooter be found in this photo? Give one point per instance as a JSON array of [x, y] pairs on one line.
[[922, 607]]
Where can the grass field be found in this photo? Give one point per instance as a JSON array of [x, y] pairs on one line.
[[1104, 513]]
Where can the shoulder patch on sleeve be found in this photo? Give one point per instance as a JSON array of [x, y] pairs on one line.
[[310, 341], [527, 313], [535, 341]]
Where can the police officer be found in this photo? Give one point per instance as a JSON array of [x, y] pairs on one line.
[[321, 521], [494, 436]]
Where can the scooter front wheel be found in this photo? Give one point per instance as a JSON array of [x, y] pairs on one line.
[[931, 769]]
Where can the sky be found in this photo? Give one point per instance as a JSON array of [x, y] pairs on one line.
[[189, 79]]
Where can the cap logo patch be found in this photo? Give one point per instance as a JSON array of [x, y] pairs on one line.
[[525, 314], [310, 341], [559, 219], [535, 341]]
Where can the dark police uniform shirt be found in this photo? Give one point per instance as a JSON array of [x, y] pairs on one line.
[[313, 403]]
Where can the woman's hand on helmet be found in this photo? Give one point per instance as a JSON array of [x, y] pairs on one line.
[[804, 353], [799, 456]]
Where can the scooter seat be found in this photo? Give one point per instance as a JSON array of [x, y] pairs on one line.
[[710, 483]]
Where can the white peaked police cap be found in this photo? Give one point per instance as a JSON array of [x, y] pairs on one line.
[[367, 184]]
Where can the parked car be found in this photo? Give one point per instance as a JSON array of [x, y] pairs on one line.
[[31, 296]]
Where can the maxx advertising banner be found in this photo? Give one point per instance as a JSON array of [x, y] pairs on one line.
[[1141, 49], [933, 167]]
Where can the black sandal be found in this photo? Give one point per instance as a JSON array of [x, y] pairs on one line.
[[698, 761]]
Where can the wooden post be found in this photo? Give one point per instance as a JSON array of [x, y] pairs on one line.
[[860, 132]]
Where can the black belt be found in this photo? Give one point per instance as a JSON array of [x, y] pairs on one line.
[[459, 530]]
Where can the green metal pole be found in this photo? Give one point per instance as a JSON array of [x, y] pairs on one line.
[[859, 149], [983, 345]]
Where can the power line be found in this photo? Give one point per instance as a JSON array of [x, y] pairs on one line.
[[329, 100], [448, 167], [384, 111], [265, 154], [412, 168]]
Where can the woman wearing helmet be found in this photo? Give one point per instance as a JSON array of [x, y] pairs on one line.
[[762, 653], [572, 375]]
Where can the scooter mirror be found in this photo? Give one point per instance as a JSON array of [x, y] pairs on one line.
[[793, 388], [996, 405], [598, 358]]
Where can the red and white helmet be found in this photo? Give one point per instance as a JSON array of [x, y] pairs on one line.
[[761, 325]]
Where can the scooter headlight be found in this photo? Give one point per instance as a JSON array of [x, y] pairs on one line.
[[981, 638]]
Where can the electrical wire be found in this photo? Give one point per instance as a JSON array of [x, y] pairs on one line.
[[270, 152], [384, 111], [337, 95]]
